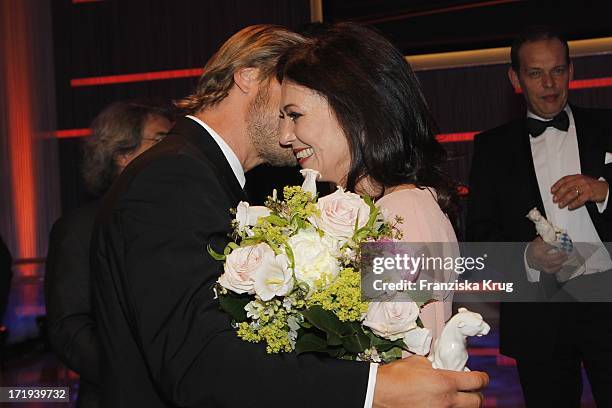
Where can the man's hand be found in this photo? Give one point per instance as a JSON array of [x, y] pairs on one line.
[[412, 382], [544, 257], [575, 190]]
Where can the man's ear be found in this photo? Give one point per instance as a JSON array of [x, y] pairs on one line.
[[514, 79], [246, 79], [571, 71]]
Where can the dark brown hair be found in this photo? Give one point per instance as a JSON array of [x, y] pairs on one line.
[[378, 103]]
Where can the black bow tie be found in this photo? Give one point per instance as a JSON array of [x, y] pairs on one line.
[[536, 127]]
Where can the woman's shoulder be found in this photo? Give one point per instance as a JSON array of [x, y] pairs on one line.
[[423, 219], [409, 195]]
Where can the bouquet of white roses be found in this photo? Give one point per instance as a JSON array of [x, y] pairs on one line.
[[292, 280]]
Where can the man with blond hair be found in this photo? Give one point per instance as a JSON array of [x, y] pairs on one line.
[[166, 341]]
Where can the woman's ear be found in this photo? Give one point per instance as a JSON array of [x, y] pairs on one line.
[[247, 79]]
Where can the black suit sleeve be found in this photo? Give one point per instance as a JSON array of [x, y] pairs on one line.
[[173, 210], [70, 321]]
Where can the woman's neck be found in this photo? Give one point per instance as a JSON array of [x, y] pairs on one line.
[[371, 188]]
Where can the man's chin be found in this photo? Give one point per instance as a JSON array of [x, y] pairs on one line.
[[281, 159]]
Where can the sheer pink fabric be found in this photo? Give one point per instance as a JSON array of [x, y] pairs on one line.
[[424, 221]]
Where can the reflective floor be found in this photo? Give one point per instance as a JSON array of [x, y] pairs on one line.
[[35, 365]]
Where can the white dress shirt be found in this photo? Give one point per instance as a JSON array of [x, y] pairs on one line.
[[555, 154], [236, 166], [229, 154]]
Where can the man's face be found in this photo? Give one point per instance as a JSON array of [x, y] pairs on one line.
[[263, 126], [543, 77], [154, 129]]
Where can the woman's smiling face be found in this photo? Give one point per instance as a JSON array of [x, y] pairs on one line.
[[310, 127]]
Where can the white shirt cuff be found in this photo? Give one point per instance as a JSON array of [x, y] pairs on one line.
[[604, 204], [533, 275], [371, 385]]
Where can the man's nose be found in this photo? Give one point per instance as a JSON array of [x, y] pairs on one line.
[[547, 80]]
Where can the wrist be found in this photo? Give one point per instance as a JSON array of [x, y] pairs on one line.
[[602, 191]]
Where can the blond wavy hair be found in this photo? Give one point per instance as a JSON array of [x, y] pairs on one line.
[[257, 46]]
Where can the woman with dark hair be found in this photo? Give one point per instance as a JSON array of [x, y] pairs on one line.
[[352, 109]]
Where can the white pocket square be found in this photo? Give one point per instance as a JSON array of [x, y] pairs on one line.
[[608, 158]]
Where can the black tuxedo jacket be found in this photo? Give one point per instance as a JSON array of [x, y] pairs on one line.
[[504, 187], [71, 328], [166, 342]]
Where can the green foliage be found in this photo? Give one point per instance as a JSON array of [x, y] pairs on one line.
[[234, 306]]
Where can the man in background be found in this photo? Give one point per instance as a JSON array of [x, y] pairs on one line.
[[122, 131], [555, 159]]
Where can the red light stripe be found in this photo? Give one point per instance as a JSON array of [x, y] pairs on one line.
[[456, 137], [503, 361], [442, 138], [483, 351], [67, 133], [585, 84], [140, 77], [489, 402], [17, 80], [591, 83]]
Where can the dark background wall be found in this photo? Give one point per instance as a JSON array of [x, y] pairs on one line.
[[426, 26], [113, 37]]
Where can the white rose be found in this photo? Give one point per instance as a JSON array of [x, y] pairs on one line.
[[339, 212], [310, 180], [313, 256], [391, 320], [247, 215], [241, 266], [275, 277], [418, 340]]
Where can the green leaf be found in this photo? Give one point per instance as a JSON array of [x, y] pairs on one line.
[[276, 220], [384, 344], [306, 325], [252, 241], [234, 306], [391, 355], [290, 256], [214, 254], [349, 334], [333, 339], [310, 342], [325, 320], [357, 342]]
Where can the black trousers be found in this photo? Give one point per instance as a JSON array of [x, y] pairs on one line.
[[585, 338]]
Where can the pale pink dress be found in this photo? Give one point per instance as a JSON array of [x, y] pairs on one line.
[[424, 221]]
